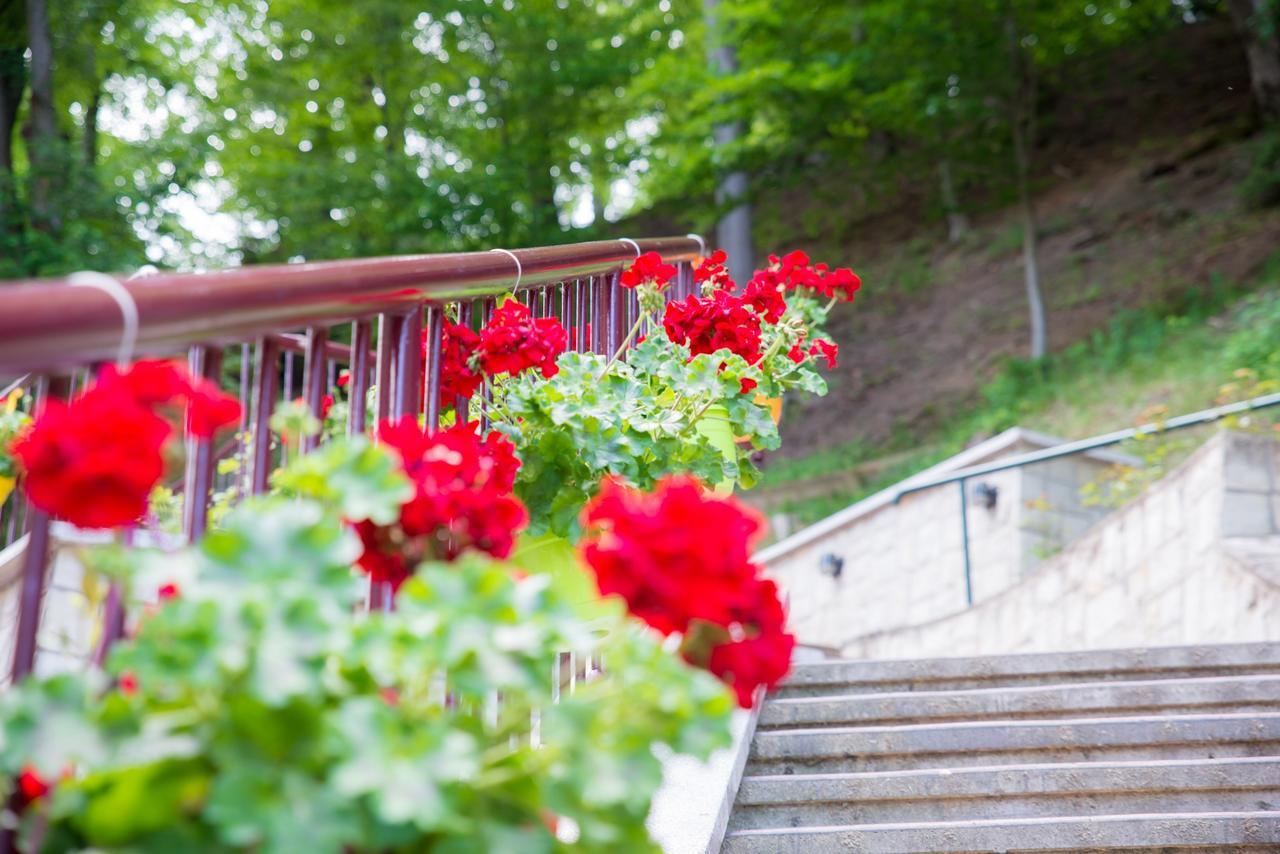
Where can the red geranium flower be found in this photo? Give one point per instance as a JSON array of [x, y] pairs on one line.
[[759, 649], [719, 321], [31, 786], [712, 271], [95, 461], [764, 295], [794, 271], [344, 378], [513, 341], [648, 268], [128, 683], [680, 558], [796, 353], [676, 554], [168, 591], [828, 350], [154, 382], [462, 499]]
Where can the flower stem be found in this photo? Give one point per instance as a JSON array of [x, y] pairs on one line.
[[626, 342]]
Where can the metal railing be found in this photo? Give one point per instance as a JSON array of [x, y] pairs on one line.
[[276, 316], [1093, 443]]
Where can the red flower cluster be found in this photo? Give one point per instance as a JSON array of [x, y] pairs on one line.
[[513, 341], [828, 350], [765, 297], [458, 377], [680, 558], [648, 269], [794, 271], [462, 499], [712, 271], [720, 321], [94, 461]]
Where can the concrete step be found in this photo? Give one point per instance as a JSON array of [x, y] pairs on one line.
[[1182, 662], [1079, 699], [1006, 742], [1167, 832], [1011, 791]]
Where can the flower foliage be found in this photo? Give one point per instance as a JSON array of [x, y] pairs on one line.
[[680, 558], [461, 500], [95, 460], [264, 709]]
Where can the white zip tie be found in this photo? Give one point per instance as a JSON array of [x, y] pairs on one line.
[[702, 244], [519, 268], [634, 245], [128, 309]]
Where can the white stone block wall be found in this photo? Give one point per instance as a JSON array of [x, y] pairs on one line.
[[1194, 560], [904, 564]]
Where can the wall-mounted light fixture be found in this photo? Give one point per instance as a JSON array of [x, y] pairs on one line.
[[831, 565], [985, 495]]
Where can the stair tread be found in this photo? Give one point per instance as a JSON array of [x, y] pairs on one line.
[[1267, 816], [1015, 780], [1127, 831], [1257, 691], [1027, 665]]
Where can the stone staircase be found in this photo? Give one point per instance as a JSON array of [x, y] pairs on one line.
[[1165, 749]]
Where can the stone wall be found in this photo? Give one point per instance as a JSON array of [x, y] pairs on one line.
[[903, 562], [1196, 559]]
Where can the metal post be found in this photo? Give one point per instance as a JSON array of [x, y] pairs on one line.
[[964, 544]]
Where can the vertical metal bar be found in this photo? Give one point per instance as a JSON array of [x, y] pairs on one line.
[[314, 373], [613, 335], [461, 405], [599, 342], [964, 543], [33, 569], [288, 375], [569, 314], [435, 330], [407, 397], [358, 384], [200, 462], [267, 357], [387, 331]]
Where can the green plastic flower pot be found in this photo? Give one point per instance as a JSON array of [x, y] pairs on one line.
[[549, 554], [716, 427]]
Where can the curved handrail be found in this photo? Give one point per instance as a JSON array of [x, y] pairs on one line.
[[44, 324]]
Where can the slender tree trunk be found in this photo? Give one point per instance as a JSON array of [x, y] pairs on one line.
[[733, 233], [42, 131], [1259, 24], [91, 128], [957, 222], [1021, 109]]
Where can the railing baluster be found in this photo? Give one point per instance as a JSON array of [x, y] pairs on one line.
[[358, 372], [264, 401], [406, 399], [34, 565], [461, 404], [207, 363], [314, 373], [435, 327], [387, 332], [569, 314]]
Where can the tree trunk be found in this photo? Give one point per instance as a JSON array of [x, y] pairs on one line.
[[733, 233], [1021, 114], [42, 130], [957, 222], [91, 128], [1259, 24], [13, 83]]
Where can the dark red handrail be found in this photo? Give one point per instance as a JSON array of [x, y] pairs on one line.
[[45, 325]]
